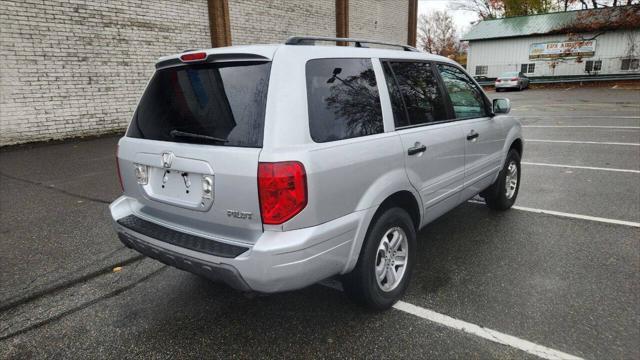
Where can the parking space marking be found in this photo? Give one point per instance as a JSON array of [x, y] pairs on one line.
[[582, 167], [570, 215], [583, 142], [581, 126], [579, 116], [483, 332]]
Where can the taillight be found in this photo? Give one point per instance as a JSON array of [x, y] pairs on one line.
[[514, 79], [498, 80], [118, 168], [282, 189], [193, 56]]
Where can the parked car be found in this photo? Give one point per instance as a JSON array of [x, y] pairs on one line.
[[273, 167], [512, 80]]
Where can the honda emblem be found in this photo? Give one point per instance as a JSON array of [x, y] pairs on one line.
[[167, 159]]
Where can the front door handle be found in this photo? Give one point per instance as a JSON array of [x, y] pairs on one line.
[[472, 135], [416, 149]]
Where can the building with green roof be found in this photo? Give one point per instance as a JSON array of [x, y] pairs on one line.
[[585, 42]]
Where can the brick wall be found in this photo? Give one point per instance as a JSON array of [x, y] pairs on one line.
[[272, 21], [384, 20], [73, 68], [77, 67]]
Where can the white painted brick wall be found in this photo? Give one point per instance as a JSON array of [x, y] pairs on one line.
[[384, 20], [272, 21], [78, 67]]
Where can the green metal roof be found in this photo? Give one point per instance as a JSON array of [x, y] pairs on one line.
[[571, 21]]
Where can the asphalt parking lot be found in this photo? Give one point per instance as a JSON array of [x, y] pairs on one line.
[[555, 277]]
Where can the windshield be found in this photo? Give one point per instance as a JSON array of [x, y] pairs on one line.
[[219, 104], [509, 74]]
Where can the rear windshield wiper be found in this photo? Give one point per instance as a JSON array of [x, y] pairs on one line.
[[184, 134]]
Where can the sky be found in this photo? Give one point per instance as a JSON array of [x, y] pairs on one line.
[[461, 18]]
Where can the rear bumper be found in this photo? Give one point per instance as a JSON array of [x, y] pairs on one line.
[[507, 85], [277, 261]]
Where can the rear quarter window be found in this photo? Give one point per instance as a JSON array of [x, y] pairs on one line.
[[343, 99], [218, 104]]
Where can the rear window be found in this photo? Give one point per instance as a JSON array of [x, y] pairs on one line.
[[509, 74], [343, 99], [218, 104]]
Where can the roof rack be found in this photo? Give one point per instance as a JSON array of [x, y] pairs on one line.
[[310, 40]]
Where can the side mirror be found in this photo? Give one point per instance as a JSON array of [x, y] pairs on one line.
[[501, 106]]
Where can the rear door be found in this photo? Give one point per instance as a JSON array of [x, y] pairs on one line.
[[190, 155], [433, 144], [484, 137]]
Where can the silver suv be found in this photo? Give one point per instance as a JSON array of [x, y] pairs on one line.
[[273, 167]]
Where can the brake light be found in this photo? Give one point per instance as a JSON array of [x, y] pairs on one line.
[[514, 79], [193, 56], [498, 80], [118, 168], [282, 189]]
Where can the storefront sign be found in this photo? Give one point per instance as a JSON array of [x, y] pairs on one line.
[[562, 49]]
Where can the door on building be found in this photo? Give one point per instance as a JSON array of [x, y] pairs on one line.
[[433, 143], [483, 134]]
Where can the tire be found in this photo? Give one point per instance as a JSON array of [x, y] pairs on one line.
[[497, 196], [361, 284]]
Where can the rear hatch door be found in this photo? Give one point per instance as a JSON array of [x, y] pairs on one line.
[[190, 155]]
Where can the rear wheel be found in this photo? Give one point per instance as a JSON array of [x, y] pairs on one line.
[[386, 261], [502, 194]]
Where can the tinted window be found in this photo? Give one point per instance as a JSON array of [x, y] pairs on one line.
[[466, 98], [416, 90], [202, 103], [343, 99]]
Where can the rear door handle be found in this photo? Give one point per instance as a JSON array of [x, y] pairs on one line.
[[472, 135], [416, 149]]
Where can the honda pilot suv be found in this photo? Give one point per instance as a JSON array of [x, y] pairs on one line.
[[273, 167]]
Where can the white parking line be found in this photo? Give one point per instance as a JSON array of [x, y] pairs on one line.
[[578, 216], [582, 142], [473, 329], [579, 116], [581, 126], [483, 332], [570, 215], [582, 167]]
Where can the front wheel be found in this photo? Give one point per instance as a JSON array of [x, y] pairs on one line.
[[502, 194], [386, 261]]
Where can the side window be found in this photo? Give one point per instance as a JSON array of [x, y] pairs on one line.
[[415, 95], [343, 99], [466, 98]]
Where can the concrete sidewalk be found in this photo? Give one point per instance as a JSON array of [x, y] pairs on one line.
[[54, 216]]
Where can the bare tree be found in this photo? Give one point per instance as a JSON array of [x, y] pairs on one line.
[[486, 9], [437, 34], [492, 9]]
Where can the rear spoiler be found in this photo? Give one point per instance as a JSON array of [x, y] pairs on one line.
[[210, 59]]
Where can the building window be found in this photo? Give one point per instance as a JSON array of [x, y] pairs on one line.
[[482, 69], [528, 68], [630, 64], [593, 65]]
